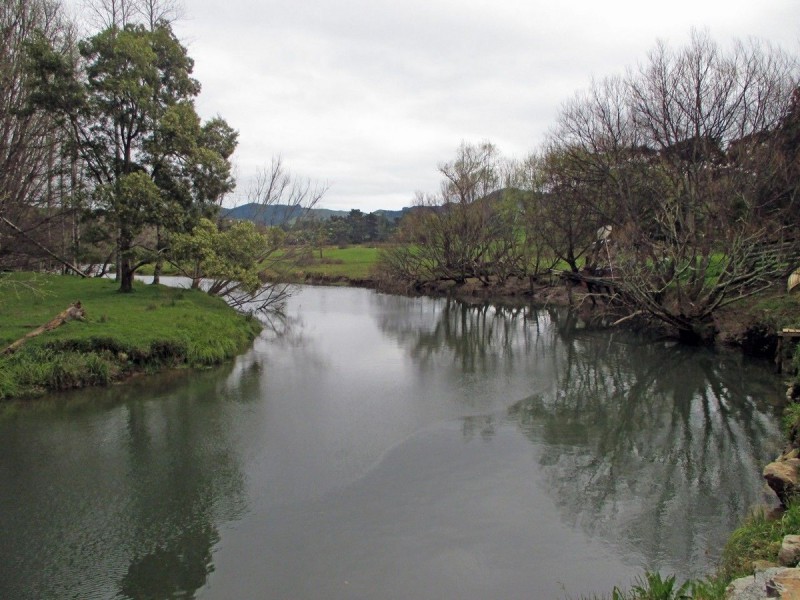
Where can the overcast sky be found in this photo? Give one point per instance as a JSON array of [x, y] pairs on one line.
[[369, 95]]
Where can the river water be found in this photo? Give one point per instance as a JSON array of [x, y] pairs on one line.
[[380, 447]]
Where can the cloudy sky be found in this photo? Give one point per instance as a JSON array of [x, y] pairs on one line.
[[369, 95]]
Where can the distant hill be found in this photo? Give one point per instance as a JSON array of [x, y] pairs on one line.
[[277, 214], [392, 215]]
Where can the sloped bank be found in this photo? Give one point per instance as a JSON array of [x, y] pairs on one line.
[[151, 329]]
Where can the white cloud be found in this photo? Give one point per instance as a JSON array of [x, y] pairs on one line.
[[370, 95]]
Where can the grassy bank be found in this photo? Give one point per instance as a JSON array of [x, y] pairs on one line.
[[152, 328]]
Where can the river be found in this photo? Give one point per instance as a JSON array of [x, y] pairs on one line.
[[380, 447]]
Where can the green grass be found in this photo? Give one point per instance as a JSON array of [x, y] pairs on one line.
[[654, 586], [151, 328], [758, 539], [779, 308], [351, 262]]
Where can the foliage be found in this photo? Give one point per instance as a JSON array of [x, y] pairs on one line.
[[653, 586], [230, 257], [151, 328], [231, 261], [759, 538], [129, 107]]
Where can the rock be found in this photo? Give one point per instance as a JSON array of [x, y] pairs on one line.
[[772, 583], [787, 584], [793, 392], [789, 554], [782, 477]]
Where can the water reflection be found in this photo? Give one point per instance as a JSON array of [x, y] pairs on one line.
[[476, 338], [120, 502], [652, 450], [375, 446]]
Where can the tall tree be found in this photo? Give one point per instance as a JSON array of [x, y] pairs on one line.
[[131, 113], [36, 176]]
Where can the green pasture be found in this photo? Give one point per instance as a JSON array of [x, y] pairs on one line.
[[350, 262]]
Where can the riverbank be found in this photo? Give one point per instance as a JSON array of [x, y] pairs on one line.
[[752, 325], [151, 329]]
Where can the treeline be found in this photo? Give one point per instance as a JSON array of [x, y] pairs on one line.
[[354, 228], [671, 191]]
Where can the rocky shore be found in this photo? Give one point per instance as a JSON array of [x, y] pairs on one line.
[[780, 579]]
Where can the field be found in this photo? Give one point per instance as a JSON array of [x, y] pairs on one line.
[[351, 263]]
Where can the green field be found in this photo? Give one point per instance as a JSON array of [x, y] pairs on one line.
[[151, 328], [350, 263]]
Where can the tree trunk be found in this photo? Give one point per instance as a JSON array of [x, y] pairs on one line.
[[74, 311], [698, 333], [159, 266], [125, 271]]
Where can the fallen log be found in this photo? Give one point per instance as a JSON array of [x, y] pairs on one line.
[[74, 311]]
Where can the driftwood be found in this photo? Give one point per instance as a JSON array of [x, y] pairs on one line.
[[75, 311]]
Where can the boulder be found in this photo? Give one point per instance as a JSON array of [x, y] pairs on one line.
[[782, 477], [789, 554], [772, 583], [787, 584]]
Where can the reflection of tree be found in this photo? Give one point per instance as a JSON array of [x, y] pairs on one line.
[[485, 426], [184, 482], [652, 447], [281, 333], [477, 338], [175, 571], [138, 480]]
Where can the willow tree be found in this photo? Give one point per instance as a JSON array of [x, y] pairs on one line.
[[677, 155], [462, 232]]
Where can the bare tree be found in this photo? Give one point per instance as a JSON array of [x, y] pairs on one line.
[[677, 155], [153, 12], [37, 169], [102, 14], [281, 198], [466, 231], [563, 213]]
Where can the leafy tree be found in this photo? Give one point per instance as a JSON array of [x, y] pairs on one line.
[[231, 261], [130, 111]]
